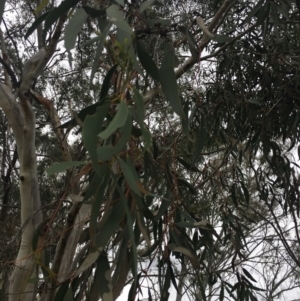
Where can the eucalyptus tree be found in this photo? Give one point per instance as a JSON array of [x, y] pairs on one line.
[[159, 113]]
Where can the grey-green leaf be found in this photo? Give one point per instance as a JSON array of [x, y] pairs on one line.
[[169, 84], [130, 175], [73, 28], [99, 50], [146, 61], [57, 12], [117, 122], [2, 5], [115, 15], [61, 167]]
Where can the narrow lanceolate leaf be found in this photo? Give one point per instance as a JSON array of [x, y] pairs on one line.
[[61, 292], [139, 103], [105, 281], [88, 261], [91, 128], [98, 54], [117, 122], [60, 167], [57, 12], [146, 61], [69, 295], [191, 256], [165, 291], [107, 82], [145, 5], [169, 85], [2, 5], [248, 275], [35, 24], [73, 28], [116, 16], [130, 175]]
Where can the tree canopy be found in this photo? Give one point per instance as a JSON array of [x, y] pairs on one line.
[[149, 145]]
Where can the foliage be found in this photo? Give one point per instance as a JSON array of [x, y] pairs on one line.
[[165, 140]]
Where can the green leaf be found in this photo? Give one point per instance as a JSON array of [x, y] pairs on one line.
[[107, 82], [92, 126], [111, 226], [35, 24], [146, 61], [256, 101], [165, 291], [62, 290], [57, 12], [187, 165], [145, 5], [104, 173], [248, 275], [116, 16], [117, 122], [222, 293], [105, 281], [73, 27], [131, 235], [192, 256], [2, 5], [69, 295], [61, 167], [191, 42], [100, 46], [130, 175], [169, 84], [139, 103]]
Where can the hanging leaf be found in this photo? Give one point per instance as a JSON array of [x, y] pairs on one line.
[[35, 24], [191, 256], [2, 5], [146, 61], [98, 54], [117, 122], [169, 84], [73, 27], [56, 13], [61, 292], [61, 167], [130, 175], [104, 173], [165, 291], [92, 126], [107, 82], [69, 295], [105, 281], [88, 261], [115, 16], [248, 275], [191, 42]]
